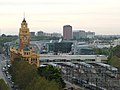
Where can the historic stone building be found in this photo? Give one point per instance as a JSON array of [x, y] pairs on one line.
[[24, 51]]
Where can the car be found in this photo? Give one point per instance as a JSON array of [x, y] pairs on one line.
[[16, 87], [6, 72], [5, 65], [8, 65], [12, 83], [3, 68], [9, 77], [12, 86]]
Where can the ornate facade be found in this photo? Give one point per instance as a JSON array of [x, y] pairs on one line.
[[24, 35], [24, 52]]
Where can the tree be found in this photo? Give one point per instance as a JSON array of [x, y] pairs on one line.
[[98, 51], [42, 84], [115, 61], [103, 51], [114, 56], [3, 85], [110, 53], [52, 73], [26, 77], [116, 51], [4, 39], [23, 73]]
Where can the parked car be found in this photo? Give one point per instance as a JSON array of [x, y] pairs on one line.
[[4, 68]]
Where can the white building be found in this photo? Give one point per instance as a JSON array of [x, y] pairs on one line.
[[32, 34], [70, 58], [56, 35], [78, 34], [100, 44], [116, 42], [41, 33], [82, 48], [90, 34]]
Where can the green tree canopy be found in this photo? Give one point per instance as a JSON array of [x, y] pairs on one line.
[[26, 77], [23, 73], [116, 51], [115, 61], [101, 51], [42, 84], [52, 73], [4, 39]]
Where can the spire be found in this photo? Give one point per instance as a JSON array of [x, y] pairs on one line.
[[24, 18]]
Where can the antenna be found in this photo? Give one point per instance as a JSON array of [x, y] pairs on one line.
[[24, 15]]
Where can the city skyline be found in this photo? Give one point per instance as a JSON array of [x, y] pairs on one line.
[[99, 16]]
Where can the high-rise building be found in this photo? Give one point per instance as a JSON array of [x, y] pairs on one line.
[[32, 34], [67, 32], [90, 34], [40, 33], [78, 34], [56, 35]]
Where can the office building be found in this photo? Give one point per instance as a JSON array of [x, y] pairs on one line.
[[78, 34], [67, 32], [90, 34], [32, 34], [41, 33]]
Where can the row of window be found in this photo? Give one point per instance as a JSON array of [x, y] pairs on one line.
[[34, 59], [26, 53], [24, 31], [63, 60]]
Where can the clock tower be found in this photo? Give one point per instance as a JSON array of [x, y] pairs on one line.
[[24, 52], [24, 35]]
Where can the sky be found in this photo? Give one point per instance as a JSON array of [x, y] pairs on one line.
[[99, 16]]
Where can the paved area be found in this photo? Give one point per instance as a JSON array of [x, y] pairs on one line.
[[89, 76], [2, 63], [4, 74]]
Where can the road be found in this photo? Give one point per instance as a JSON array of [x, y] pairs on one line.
[[2, 63], [3, 75]]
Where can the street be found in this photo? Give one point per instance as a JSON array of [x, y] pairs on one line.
[[4, 74], [2, 63]]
